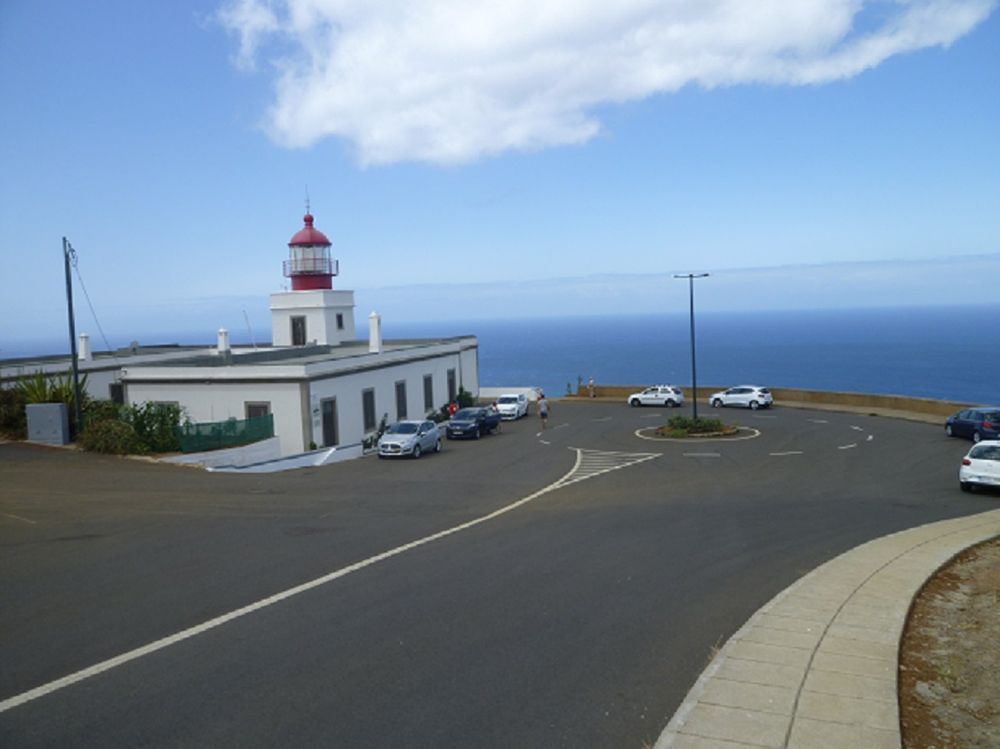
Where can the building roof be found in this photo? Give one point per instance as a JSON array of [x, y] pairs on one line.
[[309, 235]]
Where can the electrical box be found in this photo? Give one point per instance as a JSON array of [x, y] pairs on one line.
[[48, 423]]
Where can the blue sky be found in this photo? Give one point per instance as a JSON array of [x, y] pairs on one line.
[[536, 154]]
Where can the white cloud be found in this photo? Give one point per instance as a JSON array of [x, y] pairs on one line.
[[452, 81]]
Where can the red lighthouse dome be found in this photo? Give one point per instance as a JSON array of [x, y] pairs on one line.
[[309, 264]]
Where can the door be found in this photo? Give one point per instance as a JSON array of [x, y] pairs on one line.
[[299, 331], [329, 409]]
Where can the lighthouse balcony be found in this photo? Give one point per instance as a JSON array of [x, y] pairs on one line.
[[310, 266]]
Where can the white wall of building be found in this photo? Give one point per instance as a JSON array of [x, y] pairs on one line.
[[294, 391], [320, 307], [348, 389], [218, 400]]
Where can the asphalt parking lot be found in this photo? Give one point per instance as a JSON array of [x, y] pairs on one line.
[[561, 588]]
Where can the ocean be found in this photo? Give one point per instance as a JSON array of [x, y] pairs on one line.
[[947, 352], [951, 353]]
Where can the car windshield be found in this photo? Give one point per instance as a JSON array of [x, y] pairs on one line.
[[506, 399], [405, 427], [466, 414], [985, 452]]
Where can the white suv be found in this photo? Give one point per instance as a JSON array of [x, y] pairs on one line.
[[658, 395], [512, 405], [750, 396]]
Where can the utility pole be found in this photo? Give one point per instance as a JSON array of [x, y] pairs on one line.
[[694, 369], [69, 252]]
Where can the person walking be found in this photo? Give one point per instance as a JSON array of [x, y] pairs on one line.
[[543, 409]]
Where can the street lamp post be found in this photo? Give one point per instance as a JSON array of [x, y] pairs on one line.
[[694, 369]]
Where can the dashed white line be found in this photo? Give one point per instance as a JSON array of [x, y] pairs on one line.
[[870, 438], [787, 452], [858, 429], [847, 447]]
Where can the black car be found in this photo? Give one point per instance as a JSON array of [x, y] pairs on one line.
[[975, 423], [473, 423]]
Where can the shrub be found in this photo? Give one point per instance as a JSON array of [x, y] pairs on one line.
[[155, 424], [13, 419], [683, 426], [111, 436]]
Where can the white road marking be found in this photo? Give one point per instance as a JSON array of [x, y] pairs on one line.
[[848, 447], [818, 421], [18, 517], [702, 455], [544, 442], [870, 438], [588, 463], [858, 429], [789, 452]]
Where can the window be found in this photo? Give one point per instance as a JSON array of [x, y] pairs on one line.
[[368, 408], [401, 400], [428, 392], [257, 409], [340, 321], [116, 392], [299, 330], [452, 391]]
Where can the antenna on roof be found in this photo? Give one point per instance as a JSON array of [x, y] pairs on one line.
[[307, 199]]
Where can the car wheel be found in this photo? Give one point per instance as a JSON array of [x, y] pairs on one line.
[[671, 403], [976, 436], [947, 430], [437, 446], [754, 405], [634, 402], [476, 434], [417, 452], [966, 486], [716, 403]]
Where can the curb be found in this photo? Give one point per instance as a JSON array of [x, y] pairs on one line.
[[817, 665]]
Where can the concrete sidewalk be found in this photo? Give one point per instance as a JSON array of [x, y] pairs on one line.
[[817, 665]]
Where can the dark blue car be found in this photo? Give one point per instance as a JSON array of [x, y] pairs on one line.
[[975, 423], [473, 423]]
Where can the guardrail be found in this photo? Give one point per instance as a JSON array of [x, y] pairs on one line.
[[928, 408]]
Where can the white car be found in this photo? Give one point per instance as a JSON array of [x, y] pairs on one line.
[[658, 395], [748, 396], [409, 438], [981, 466], [512, 405]]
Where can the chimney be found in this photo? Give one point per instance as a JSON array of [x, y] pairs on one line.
[[374, 333], [223, 347], [84, 353]]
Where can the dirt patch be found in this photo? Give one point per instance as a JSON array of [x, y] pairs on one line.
[[949, 666]]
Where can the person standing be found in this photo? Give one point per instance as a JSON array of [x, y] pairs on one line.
[[543, 409]]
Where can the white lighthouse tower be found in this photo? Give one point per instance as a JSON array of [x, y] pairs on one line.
[[312, 312]]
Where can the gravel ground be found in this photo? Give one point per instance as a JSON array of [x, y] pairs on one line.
[[949, 679]]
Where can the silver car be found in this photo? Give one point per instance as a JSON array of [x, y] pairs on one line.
[[409, 438], [748, 396]]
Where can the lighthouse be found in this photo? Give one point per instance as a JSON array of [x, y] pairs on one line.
[[312, 312], [309, 264]]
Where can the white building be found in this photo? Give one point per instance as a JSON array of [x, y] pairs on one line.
[[323, 386]]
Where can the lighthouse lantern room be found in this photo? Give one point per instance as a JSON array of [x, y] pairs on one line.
[[312, 312]]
